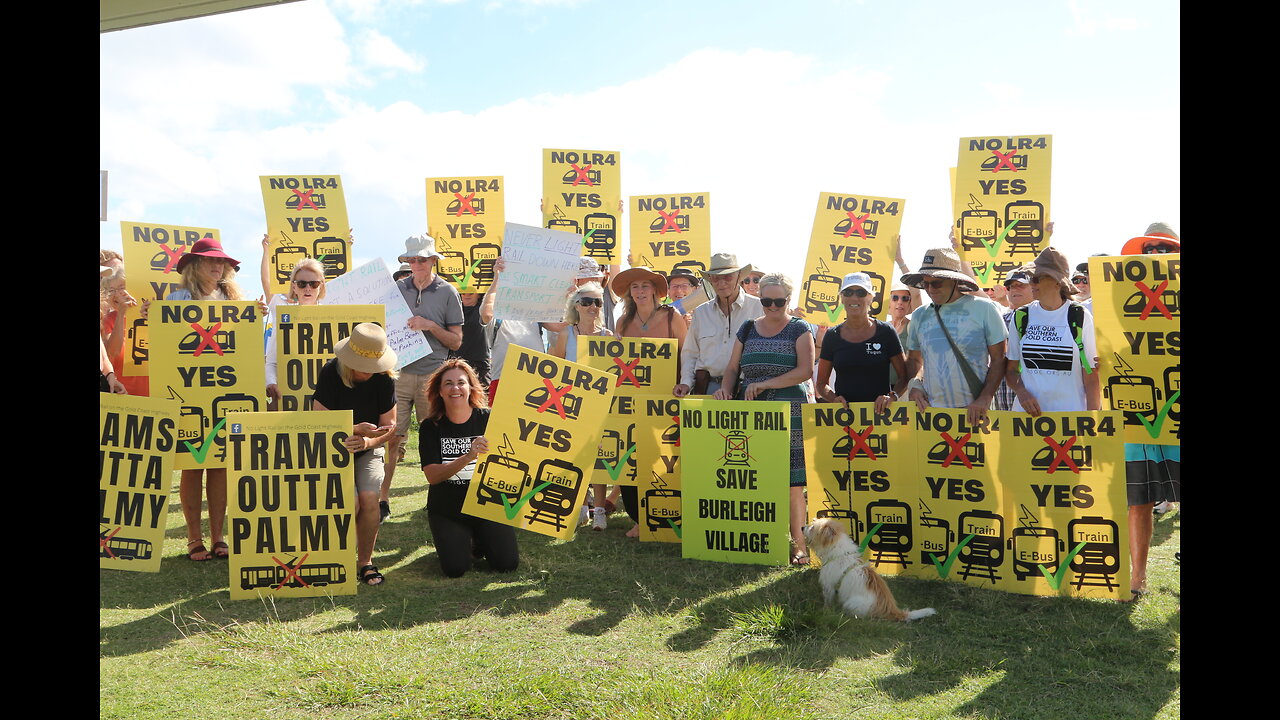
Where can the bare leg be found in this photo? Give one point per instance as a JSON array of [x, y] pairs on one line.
[[389, 466], [366, 528], [189, 495], [215, 489], [1140, 528], [799, 514]]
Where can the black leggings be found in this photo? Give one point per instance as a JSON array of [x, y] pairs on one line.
[[631, 499], [454, 534]]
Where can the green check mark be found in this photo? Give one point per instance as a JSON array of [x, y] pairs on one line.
[[992, 250], [465, 282], [616, 468], [675, 527], [986, 272], [862, 546], [587, 237], [320, 258], [1056, 578], [203, 451], [832, 310], [1153, 428], [945, 568], [514, 508]]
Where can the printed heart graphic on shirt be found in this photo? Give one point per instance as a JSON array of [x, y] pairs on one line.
[[875, 346]]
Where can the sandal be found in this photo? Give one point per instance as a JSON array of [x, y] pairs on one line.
[[800, 559], [370, 573], [199, 549], [226, 551]]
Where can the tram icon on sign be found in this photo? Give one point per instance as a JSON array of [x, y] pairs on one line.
[[661, 223], [573, 177], [869, 227], [313, 199], [539, 397], [475, 206], [735, 448], [122, 548], [974, 452], [225, 339], [991, 163], [1137, 302]]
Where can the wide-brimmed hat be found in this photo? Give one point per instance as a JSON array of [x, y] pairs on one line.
[[589, 269], [365, 350], [941, 263], [685, 273], [1054, 264], [206, 247], [723, 264], [1157, 231], [622, 281], [419, 246]]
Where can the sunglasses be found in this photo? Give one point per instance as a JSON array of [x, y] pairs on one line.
[[850, 292], [773, 302], [589, 301], [935, 284], [1160, 249], [416, 260], [308, 283], [751, 281], [1080, 281], [900, 298]]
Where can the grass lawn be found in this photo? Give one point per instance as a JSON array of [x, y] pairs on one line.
[[606, 627]]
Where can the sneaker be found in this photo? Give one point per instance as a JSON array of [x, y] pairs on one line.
[[600, 520], [384, 510], [1162, 508]]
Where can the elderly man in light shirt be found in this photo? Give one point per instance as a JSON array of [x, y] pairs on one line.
[[709, 342]]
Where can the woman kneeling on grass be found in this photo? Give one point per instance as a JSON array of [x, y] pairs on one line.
[[361, 378], [450, 440]]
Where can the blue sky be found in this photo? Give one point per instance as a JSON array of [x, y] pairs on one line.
[[762, 104]]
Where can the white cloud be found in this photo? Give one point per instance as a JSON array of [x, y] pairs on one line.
[[379, 51]]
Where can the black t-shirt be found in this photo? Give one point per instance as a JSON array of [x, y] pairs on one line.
[[862, 368], [367, 401], [475, 343], [442, 441]]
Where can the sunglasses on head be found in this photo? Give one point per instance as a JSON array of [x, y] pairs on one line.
[[773, 302], [851, 291], [935, 284], [589, 301], [308, 283]]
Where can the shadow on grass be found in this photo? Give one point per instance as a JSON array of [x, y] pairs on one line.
[[611, 575]]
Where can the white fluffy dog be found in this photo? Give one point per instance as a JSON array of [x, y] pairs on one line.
[[847, 577]]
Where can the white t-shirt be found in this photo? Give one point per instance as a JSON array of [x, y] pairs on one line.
[[1051, 369]]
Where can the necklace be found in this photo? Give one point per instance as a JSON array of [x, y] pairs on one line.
[[644, 324]]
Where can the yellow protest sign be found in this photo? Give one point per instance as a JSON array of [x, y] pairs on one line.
[[735, 480], [291, 505], [544, 433], [466, 216], [137, 435], [617, 457], [657, 428], [208, 357], [305, 337], [582, 194], [1002, 192], [1138, 321], [151, 254], [639, 365], [306, 218], [861, 470], [850, 234], [1065, 505], [671, 231]]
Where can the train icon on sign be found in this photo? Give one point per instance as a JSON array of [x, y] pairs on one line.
[[991, 163], [474, 206], [604, 234], [869, 227], [315, 201], [332, 253], [573, 177], [317, 575]]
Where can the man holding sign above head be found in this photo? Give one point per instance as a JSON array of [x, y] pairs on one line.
[[361, 378], [437, 313], [956, 343], [709, 341]]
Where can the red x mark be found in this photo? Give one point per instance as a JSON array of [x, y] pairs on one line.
[[669, 221], [102, 542], [1005, 160], [304, 199], [860, 441], [1060, 454], [292, 571], [1153, 300], [554, 397], [582, 174], [676, 419], [206, 339], [957, 450], [464, 204], [855, 224], [627, 372], [174, 256]]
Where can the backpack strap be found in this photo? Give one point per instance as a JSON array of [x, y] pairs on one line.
[[1075, 320], [1020, 324]]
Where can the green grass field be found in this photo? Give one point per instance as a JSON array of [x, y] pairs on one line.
[[606, 627]]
